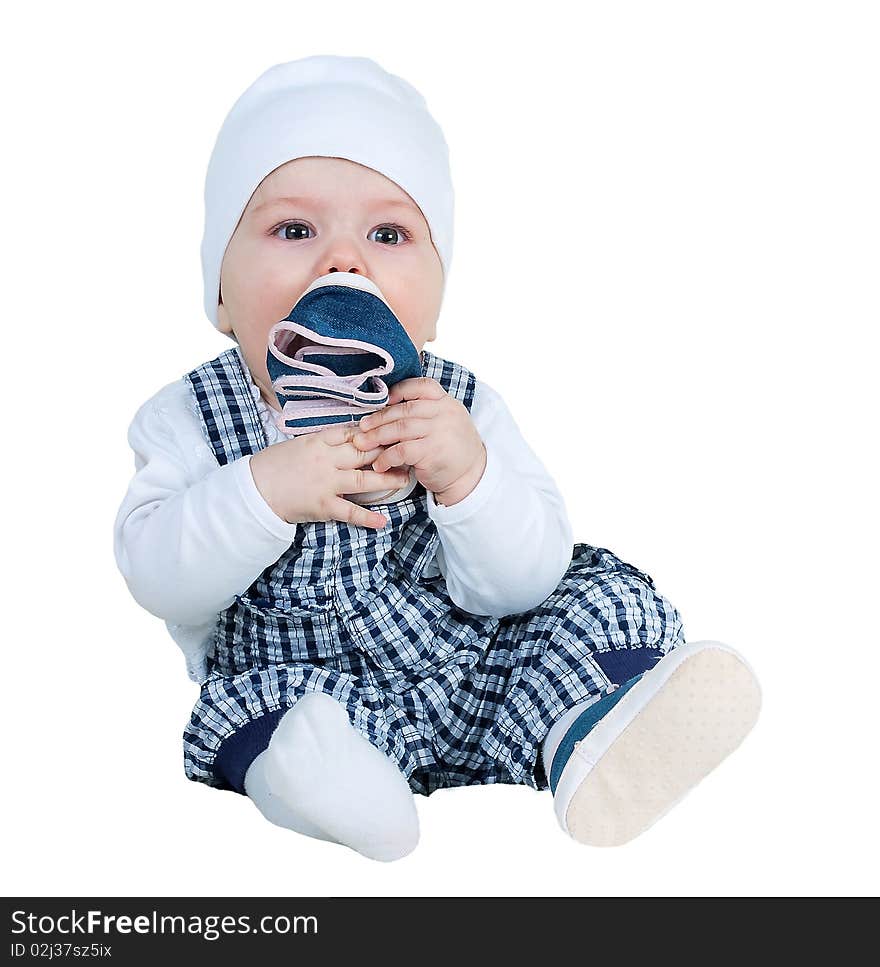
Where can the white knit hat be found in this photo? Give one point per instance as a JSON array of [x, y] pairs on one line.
[[331, 106]]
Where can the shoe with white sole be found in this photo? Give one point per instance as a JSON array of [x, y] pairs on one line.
[[664, 733]]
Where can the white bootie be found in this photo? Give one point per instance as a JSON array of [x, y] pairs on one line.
[[276, 810], [331, 782]]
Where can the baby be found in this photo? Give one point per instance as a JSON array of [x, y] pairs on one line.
[[353, 651]]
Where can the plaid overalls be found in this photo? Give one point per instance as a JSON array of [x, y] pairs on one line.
[[453, 698]]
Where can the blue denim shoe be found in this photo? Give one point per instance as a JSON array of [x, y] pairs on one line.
[[333, 359], [630, 757]]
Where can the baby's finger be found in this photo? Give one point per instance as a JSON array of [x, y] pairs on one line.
[[364, 481], [347, 457], [351, 513], [338, 433], [346, 454], [408, 428]]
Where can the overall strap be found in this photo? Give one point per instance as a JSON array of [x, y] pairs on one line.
[[230, 419], [456, 379]]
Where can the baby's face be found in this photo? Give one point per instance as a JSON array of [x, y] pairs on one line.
[[312, 216]]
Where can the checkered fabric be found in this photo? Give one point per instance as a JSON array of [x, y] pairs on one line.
[[453, 698]]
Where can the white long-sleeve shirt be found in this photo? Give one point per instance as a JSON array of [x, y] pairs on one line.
[[190, 535]]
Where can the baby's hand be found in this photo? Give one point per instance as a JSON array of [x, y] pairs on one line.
[[302, 478], [432, 432]]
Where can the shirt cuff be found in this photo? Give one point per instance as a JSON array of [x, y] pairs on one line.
[[476, 499], [256, 502]]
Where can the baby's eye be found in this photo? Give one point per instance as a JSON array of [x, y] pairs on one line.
[[393, 232], [291, 230]]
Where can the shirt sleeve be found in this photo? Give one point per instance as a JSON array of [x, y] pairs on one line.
[[506, 546], [190, 535]]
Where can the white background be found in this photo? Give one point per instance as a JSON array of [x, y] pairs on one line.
[[678, 202]]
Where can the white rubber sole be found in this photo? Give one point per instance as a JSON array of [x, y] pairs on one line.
[[673, 727]]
